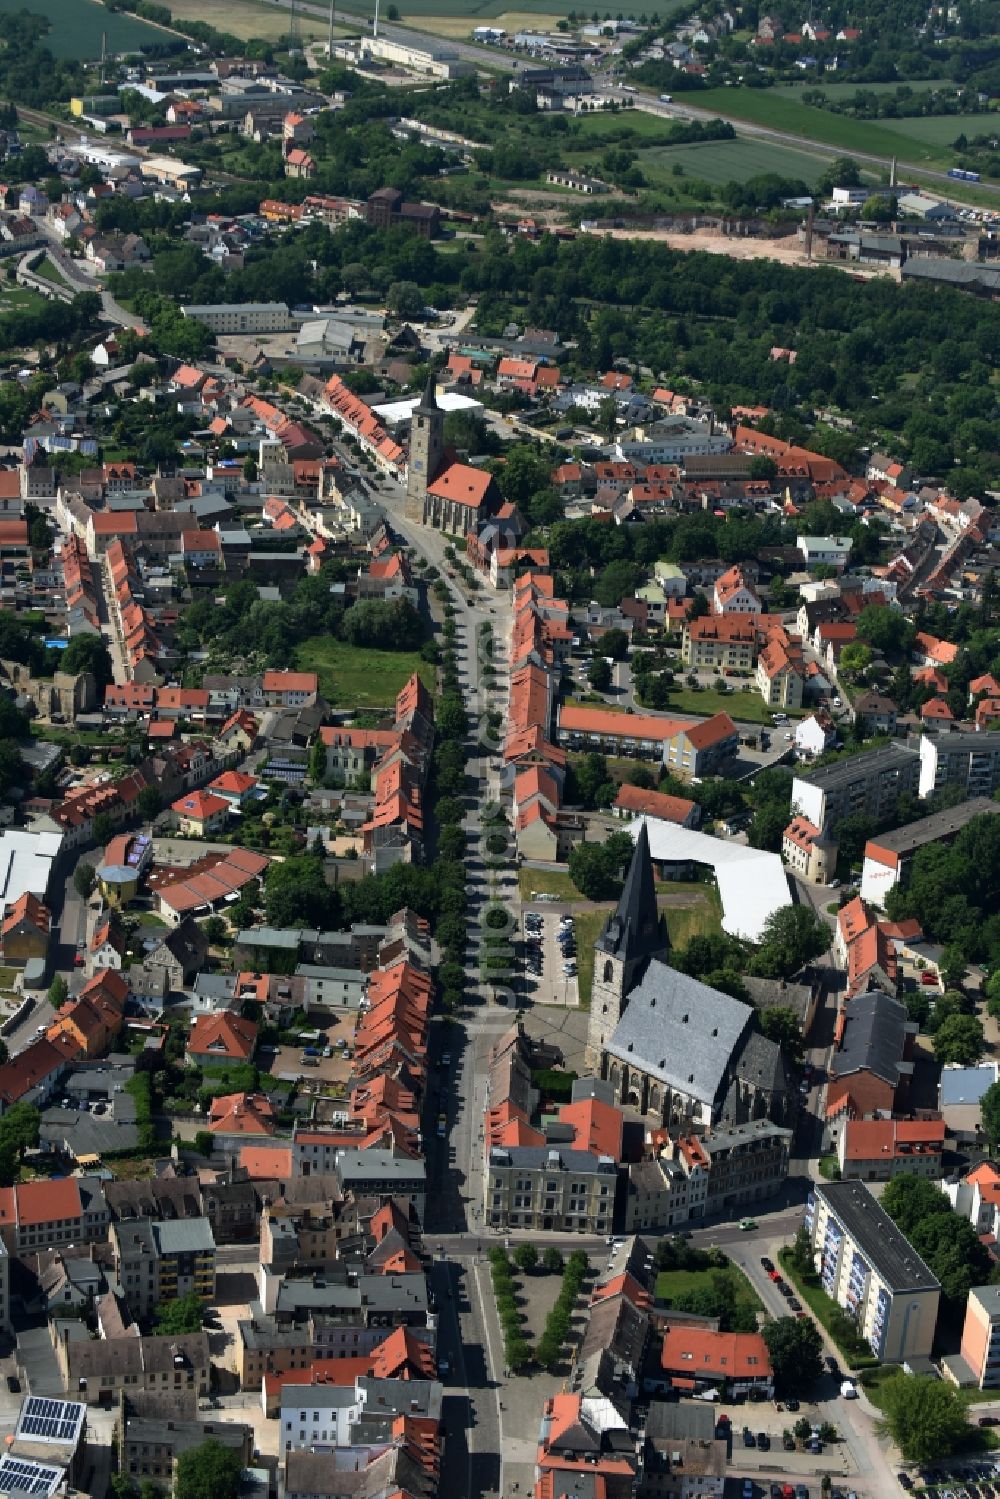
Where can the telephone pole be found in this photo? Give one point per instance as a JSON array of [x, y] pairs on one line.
[[329, 44]]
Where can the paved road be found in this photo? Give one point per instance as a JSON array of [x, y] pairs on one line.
[[483, 57]]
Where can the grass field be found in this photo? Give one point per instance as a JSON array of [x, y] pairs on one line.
[[50, 271], [19, 299], [848, 90], [76, 27], [733, 161], [779, 112], [547, 882], [354, 677], [248, 19], [748, 706], [671, 1283], [702, 918], [588, 926]]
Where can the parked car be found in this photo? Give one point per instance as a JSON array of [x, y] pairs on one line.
[[749, 1440], [767, 1264]]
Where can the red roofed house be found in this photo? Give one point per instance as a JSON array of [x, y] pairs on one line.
[[221, 1040], [929, 651], [201, 813], [241, 1114], [235, 786], [634, 801], [733, 1363], [25, 929], [879, 1149]]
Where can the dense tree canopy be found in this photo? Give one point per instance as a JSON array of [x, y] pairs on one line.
[[925, 1416]]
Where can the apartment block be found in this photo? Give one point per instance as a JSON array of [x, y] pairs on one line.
[[160, 1261], [532, 1186], [871, 1270], [953, 756], [722, 641], [981, 1336], [889, 857], [870, 782]]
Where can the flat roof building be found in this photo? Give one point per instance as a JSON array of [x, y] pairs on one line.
[[954, 756], [240, 317], [871, 782], [889, 856], [872, 1270]]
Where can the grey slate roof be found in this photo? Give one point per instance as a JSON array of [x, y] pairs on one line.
[[874, 1036], [680, 1031]]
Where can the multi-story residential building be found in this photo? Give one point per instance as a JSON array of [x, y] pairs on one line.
[[870, 782], [46, 1214], [876, 1150], [951, 755], [352, 1414], [871, 1270], [872, 1059], [160, 1261], [241, 317], [720, 641], [980, 1350], [548, 1188], [889, 856], [734, 594], [702, 748], [694, 1175], [377, 1172], [780, 680]]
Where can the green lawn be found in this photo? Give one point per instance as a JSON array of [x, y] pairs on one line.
[[701, 919], [354, 676], [822, 1307], [50, 271], [671, 1283], [749, 706], [547, 882], [588, 928]]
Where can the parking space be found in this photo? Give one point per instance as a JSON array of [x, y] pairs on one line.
[[294, 1061], [550, 958], [956, 1479]]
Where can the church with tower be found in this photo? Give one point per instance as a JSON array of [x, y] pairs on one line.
[[681, 1053], [440, 491]]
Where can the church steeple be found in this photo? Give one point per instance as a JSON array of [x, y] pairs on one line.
[[632, 932], [429, 401], [632, 936]]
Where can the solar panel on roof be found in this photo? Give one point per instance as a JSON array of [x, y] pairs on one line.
[[49, 1420], [17, 1476]]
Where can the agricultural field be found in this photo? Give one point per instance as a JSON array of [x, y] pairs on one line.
[[536, 13], [77, 26], [777, 112], [249, 19], [836, 91], [719, 162]]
